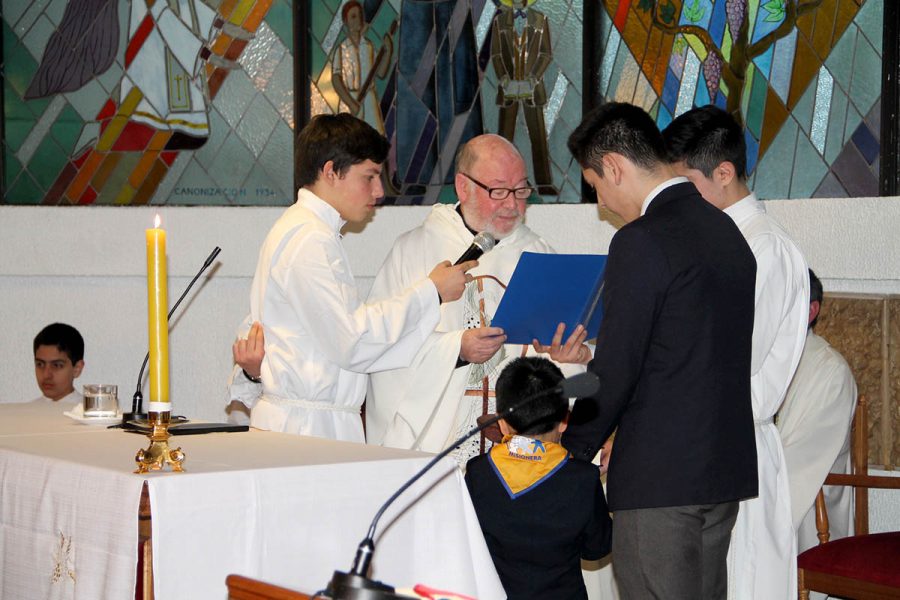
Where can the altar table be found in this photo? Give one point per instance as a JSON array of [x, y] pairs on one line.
[[285, 509]]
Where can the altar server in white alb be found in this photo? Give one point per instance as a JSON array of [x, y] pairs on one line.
[[450, 382], [320, 339], [707, 146], [814, 423]]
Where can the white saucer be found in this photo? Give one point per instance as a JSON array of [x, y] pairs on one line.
[[77, 415]]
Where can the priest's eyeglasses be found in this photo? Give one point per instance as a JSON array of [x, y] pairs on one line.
[[502, 193]]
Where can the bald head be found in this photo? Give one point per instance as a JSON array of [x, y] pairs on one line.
[[490, 161], [482, 147]]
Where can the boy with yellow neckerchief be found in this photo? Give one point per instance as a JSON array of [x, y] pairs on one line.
[[540, 509]]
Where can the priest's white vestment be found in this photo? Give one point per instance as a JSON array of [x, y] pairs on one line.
[[814, 423], [422, 406], [762, 557]]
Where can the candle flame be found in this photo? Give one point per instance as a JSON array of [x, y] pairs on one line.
[[156, 221]]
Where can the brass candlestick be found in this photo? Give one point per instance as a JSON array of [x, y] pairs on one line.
[[158, 454]]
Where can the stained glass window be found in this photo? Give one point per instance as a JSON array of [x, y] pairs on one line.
[[132, 102], [111, 102], [804, 76], [431, 74]]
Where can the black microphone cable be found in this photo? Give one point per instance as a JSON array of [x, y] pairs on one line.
[[137, 401]]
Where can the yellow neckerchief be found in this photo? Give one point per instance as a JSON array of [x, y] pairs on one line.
[[522, 463]]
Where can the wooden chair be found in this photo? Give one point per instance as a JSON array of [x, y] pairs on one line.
[[244, 588], [863, 566]]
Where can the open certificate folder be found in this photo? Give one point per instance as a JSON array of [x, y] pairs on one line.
[[548, 289]]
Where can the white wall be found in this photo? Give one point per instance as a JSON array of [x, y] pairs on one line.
[[884, 510], [86, 266]]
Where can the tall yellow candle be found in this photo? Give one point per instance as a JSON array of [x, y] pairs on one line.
[[157, 321]]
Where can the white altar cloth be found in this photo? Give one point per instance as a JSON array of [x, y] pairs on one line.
[[284, 509]]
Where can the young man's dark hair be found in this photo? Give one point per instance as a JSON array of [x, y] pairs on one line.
[[704, 137], [341, 138], [65, 337], [815, 295], [621, 128], [525, 377]]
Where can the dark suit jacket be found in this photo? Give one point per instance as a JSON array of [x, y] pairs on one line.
[[538, 539], [673, 358]]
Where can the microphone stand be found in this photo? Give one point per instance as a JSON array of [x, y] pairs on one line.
[[137, 401], [355, 585]]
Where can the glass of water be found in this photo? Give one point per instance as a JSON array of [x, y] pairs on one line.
[[101, 400]]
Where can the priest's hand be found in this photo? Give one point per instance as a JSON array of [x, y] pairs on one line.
[[248, 354], [574, 350], [480, 344], [450, 280]]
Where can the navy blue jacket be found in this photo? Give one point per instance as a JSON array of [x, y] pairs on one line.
[[673, 358], [538, 539]]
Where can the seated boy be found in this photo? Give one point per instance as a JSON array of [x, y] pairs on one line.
[[541, 511], [58, 361]]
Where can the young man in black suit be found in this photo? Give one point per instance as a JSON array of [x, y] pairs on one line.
[[673, 357]]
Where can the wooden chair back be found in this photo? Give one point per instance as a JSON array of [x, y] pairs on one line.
[[245, 588], [839, 581]]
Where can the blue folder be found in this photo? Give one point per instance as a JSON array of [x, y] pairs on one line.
[[548, 289]]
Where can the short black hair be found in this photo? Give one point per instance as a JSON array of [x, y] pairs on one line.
[[525, 377], [617, 127], [65, 337], [341, 138], [815, 294], [705, 137]]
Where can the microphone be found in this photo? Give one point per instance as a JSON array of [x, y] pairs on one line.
[[482, 243], [577, 386], [137, 401], [355, 585]]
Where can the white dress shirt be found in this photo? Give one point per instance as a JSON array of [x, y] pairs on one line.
[[74, 398]]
